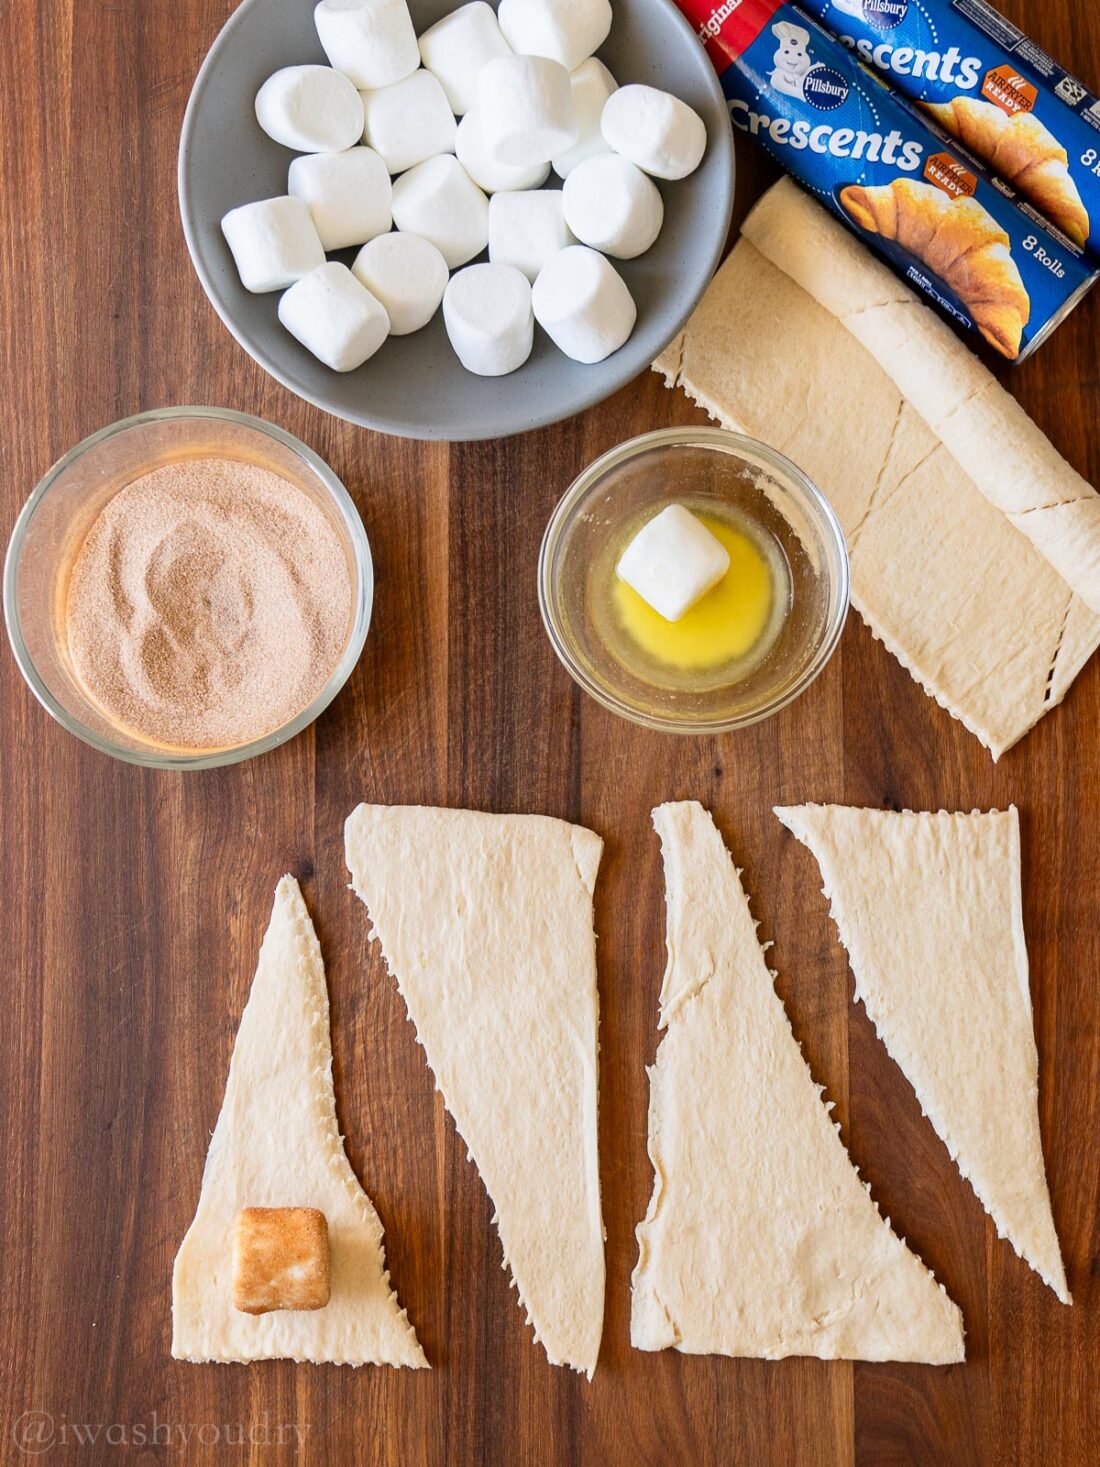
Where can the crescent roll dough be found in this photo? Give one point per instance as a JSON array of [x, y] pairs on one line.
[[277, 1149], [486, 923], [1024, 152], [959, 242], [760, 1239], [981, 425], [928, 907], [944, 579]]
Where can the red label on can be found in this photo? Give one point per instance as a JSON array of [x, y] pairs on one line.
[[728, 27]]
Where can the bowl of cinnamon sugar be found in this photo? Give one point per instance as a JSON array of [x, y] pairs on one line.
[[188, 588]]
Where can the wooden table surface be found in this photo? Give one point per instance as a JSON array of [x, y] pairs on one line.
[[134, 901]]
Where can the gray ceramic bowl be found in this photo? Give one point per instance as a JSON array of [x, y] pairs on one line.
[[415, 386]]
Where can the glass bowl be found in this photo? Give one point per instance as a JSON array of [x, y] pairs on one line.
[[56, 518], [699, 465]]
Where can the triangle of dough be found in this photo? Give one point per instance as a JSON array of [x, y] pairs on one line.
[[760, 1239], [929, 909], [277, 1144], [486, 923]]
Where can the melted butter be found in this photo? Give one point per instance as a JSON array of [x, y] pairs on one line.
[[723, 626]]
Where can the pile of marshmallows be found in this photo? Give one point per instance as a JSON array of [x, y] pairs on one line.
[[530, 95]]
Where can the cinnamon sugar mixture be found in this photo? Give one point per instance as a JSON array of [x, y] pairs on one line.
[[209, 603]]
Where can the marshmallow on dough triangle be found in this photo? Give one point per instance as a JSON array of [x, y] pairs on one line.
[[760, 1239], [486, 923], [928, 907], [277, 1144]]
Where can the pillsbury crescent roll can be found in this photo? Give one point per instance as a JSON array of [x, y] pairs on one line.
[[988, 85], [911, 193]]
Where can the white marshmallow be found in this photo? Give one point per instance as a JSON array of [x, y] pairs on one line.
[[407, 274], [370, 41], [487, 312], [655, 130], [274, 243], [487, 174], [456, 48], [311, 109], [567, 31], [611, 205], [591, 85], [526, 110], [527, 229], [348, 195], [673, 561], [335, 317], [581, 301], [409, 121], [440, 201]]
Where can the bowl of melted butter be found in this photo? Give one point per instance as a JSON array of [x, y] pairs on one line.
[[745, 647]]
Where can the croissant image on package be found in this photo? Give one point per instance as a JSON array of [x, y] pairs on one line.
[[1024, 152], [958, 241]]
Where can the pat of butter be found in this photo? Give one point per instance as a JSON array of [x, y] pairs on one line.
[[673, 561]]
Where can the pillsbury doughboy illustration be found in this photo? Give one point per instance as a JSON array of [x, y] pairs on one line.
[[791, 61]]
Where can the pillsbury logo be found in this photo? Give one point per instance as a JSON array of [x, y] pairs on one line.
[[884, 15], [825, 88]]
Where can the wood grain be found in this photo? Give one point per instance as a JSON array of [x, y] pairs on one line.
[[134, 902]]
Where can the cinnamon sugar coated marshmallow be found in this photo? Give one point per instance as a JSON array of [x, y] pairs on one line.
[[335, 317], [611, 205], [567, 31], [274, 243], [311, 109], [526, 110], [487, 312], [440, 201], [662, 135], [348, 195], [582, 303], [407, 274], [456, 48], [280, 1259], [409, 122], [371, 41]]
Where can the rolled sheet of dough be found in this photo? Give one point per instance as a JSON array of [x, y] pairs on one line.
[[277, 1144], [929, 908], [760, 1240], [486, 923], [981, 425], [966, 603]]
